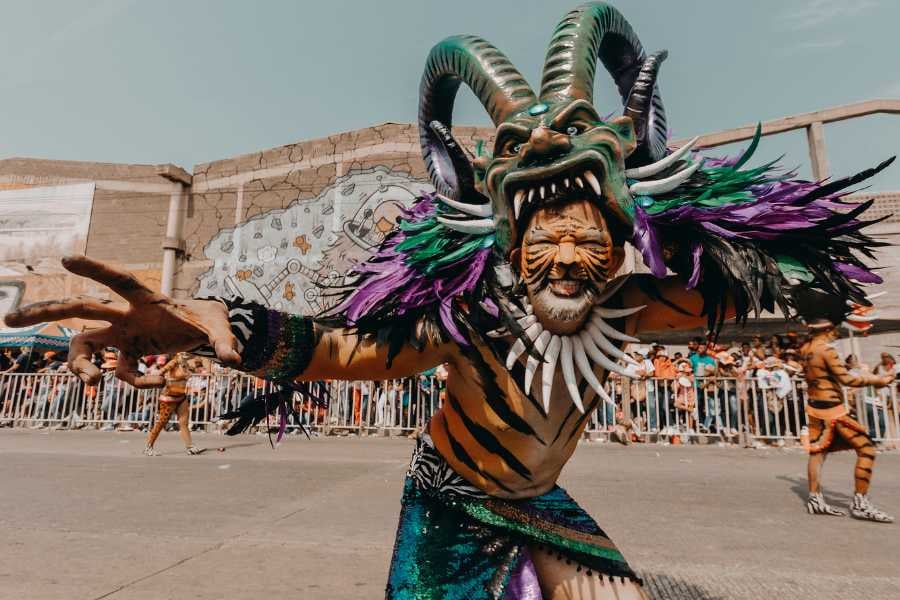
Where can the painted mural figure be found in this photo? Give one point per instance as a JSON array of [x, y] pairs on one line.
[[507, 274]]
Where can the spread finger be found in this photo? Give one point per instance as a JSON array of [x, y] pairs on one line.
[[57, 310], [121, 282]]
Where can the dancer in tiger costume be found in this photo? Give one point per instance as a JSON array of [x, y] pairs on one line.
[[508, 273], [173, 399], [832, 425]]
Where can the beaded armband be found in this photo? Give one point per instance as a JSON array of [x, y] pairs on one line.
[[273, 345]]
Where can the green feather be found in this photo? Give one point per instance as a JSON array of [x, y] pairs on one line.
[[791, 268]]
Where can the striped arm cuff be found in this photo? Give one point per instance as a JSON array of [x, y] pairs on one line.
[[272, 344]]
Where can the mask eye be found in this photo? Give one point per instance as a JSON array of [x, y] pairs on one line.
[[572, 130], [511, 148]]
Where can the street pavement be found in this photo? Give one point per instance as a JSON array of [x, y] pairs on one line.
[[84, 515]]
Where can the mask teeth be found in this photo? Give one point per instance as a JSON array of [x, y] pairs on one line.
[[559, 188]]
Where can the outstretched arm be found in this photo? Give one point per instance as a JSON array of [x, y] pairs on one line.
[[272, 344], [280, 346], [836, 367]]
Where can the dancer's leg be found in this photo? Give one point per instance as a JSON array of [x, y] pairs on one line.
[[566, 580], [162, 417], [184, 430]]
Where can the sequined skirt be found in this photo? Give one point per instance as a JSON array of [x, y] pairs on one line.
[[456, 542]]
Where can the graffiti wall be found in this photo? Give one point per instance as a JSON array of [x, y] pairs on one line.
[[39, 225], [285, 258]]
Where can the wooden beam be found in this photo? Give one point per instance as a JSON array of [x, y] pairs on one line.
[[818, 157], [801, 121]]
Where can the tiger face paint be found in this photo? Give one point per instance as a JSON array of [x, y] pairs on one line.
[[566, 257]]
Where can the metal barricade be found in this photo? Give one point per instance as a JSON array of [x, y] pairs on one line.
[[746, 410]]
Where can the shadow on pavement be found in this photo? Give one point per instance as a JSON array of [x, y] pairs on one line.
[[800, 489], [666, 587]]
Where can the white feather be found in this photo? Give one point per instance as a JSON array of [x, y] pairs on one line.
[[584, 365], [606, 346], [598, 357], [568, 369], [609, 290], [611, 331], [531, 365], [549, 370], [617, 313], [518, 346], [527, 321]]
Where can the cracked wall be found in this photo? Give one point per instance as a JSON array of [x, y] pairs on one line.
[[275, 226]]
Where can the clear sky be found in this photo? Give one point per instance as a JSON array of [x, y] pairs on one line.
[[191, 81]]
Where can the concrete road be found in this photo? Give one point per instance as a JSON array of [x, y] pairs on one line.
[[83, 515]]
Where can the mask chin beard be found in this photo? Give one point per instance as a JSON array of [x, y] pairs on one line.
[[563, 314]]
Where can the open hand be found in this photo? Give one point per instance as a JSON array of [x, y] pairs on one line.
[[150, 323]]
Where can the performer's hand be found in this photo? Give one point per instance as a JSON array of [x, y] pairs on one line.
[[150, 323]]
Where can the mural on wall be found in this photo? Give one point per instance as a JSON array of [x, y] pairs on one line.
[[10, 296], [283, 258], [38, 225]]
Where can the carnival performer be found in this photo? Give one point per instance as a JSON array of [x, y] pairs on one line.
[[508, 274], [173, 399], [832, 425]]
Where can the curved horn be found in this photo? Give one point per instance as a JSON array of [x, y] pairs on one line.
[[496, 83], [599, 31], [644, 106]]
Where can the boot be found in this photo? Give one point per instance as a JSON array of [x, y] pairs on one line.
[[861, 508], [816, 505]]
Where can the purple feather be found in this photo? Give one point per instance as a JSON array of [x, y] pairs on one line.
[[388, 278], [645, 240], [856, 273], [696, 253]]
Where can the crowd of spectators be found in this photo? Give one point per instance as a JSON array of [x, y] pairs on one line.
[[676, 393], [719, 388]]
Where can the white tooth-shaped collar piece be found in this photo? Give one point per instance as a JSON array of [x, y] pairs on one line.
[[590, 345]]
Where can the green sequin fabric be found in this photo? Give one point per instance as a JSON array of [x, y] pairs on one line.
[[451, 547]]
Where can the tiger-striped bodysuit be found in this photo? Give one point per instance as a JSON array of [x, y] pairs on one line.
[[831, 426]]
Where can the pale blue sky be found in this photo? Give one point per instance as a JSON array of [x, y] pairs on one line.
[[192, 81]]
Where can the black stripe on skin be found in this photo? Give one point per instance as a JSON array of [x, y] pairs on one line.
[[494, 396], [462, 456], [582, 388], [488, 441], [500, 349], [587, 412], [518, 375], [866, 469]]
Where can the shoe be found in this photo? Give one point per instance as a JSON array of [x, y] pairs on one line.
[[861, 508], [108, 428], [816, 505], [149, 451], [194, 450], [125, 428]]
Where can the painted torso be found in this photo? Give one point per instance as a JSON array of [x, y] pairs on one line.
[[825, 373], [496, 437]]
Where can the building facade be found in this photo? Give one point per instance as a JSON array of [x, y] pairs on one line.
[[278, 227]]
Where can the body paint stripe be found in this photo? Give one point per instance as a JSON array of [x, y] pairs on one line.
[[488, 441], [460, 452], [495, 397]]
